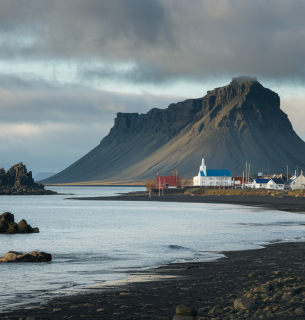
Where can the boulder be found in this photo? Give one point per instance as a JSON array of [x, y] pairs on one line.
[[8, 225], [34, 256], [186, 311], [23, 227], [243, 304], [12, 255], [299, 310], [7, 216], [12, 227], [264, 288]]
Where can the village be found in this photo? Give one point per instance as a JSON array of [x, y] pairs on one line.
[[222, 178]]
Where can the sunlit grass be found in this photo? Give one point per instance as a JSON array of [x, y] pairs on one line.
[[245, 192]]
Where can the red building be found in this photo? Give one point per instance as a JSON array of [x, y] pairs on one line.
[[163, 182], [238, 181]]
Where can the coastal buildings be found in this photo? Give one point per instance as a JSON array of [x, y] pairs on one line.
[[276, 184], [271, 184], [212, 178], [298, 183], [163, 182], [260, 183]]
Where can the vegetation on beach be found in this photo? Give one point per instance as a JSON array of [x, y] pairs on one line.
[[245, 192]]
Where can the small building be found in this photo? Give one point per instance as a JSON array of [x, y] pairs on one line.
[[276, 184], [237, 181], [164, 182], [297, 183], [260, 183], [212, 178]]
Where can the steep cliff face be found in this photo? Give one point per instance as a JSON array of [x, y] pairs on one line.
[[229, 126]]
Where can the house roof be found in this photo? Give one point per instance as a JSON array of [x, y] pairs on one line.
[[261, 181], [278, 181]]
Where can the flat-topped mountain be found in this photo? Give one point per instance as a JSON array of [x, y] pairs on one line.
[[230, 125]]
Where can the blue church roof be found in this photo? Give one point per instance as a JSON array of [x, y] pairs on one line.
[[216, 173]]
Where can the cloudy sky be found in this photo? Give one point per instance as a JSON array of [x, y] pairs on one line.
[[68, 66]]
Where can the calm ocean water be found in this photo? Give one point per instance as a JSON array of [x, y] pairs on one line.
[[96, 241]]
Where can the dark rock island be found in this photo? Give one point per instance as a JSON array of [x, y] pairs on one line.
[[230, 125], [8, 225], [17, 181]]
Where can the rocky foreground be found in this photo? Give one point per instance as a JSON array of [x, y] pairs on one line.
[[17, 181], [267, 283]]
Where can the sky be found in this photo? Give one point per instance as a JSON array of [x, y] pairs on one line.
[[68, 66]]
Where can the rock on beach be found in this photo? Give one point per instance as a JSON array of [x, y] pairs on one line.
[[34, 256]]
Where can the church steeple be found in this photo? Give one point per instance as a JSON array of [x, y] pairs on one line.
[[203, 168]]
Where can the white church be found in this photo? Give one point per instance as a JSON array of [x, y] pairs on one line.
[[212, 178]]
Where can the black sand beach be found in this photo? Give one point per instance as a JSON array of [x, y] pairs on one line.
[[290, 204], [272, 278]]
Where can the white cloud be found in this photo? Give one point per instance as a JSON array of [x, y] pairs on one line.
[[295, 109]]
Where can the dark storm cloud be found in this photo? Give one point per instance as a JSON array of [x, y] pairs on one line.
[[82, 29], [164, 40]]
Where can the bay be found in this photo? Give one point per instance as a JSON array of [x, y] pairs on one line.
[[96, 241]]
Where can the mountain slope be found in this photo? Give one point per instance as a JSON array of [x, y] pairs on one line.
[[229, 126]]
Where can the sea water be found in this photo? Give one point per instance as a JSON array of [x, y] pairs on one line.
[[95, 241]]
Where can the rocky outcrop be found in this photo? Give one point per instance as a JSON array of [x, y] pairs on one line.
[[8, 225], [17, 181], [230, 125], [34, 256]]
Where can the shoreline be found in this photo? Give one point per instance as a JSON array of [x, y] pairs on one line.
[[209, 287], [289, 204], [187, 282]]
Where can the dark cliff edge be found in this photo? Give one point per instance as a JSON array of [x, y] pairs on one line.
[[230, 125]]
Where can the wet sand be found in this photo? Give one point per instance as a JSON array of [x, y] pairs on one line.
[[209, 287]]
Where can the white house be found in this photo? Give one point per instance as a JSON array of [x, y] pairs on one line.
[[296, 183], [260, 183], [276, 184], [212, 178]]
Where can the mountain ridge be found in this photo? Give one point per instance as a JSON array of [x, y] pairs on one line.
[[228, 126]]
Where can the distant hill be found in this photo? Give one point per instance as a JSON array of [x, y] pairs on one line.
[[227, 127], [43, 175]]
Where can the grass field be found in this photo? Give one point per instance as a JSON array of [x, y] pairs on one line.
[[246, 192]]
